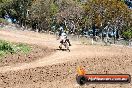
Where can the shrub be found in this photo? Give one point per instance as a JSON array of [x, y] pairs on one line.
[[7, 47], [128, 33], [3, 21]]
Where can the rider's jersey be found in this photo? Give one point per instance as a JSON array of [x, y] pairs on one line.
[[63, 35]]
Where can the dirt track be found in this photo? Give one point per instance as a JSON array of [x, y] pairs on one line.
[[59, 69]]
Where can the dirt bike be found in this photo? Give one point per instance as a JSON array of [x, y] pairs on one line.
[[65, 44]]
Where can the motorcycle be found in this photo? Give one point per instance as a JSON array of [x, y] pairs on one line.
[[65, 44]]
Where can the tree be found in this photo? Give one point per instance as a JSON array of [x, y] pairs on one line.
[[101, 12]]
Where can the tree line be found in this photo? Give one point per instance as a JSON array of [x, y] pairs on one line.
[[74, 15]]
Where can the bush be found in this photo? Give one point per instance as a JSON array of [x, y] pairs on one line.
[[7, 47], [128, 33], [3, 21], [23, 48]]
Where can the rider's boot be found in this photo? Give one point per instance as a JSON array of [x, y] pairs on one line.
[[69, 42], [60, 47]]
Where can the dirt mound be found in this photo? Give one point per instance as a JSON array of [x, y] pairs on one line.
[[37, 52], [45, 76]]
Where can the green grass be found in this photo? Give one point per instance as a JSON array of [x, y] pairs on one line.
[[7, 47], [24, 48], [2, 53]]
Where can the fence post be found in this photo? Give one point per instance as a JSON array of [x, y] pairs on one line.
[[92, 41], [130, 42]]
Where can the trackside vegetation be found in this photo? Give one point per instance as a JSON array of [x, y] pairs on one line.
[[12, 48], [102, 18]]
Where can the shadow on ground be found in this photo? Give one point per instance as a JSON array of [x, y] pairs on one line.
[[62, 50]]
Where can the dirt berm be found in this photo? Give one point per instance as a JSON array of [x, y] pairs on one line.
[[59, 69]]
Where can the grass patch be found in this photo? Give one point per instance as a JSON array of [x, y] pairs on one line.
[[2, 53], [23, 48], [7, 47]]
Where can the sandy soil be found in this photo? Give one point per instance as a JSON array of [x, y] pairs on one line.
[[36, 53], [59, 69]]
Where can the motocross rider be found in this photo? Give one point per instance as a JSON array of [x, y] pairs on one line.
[[63, 37]]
